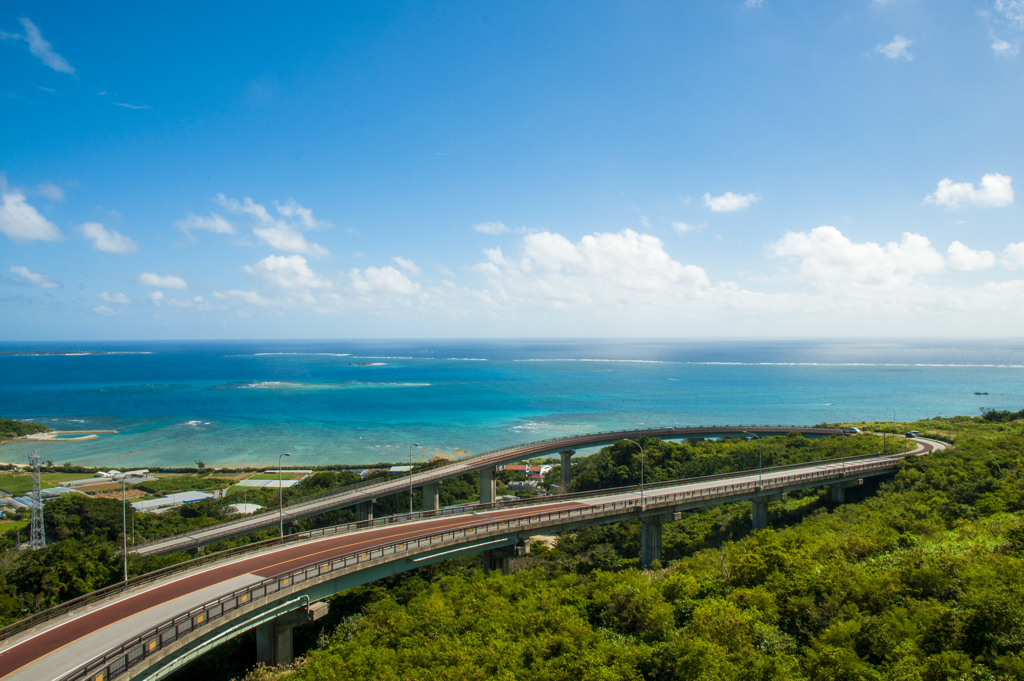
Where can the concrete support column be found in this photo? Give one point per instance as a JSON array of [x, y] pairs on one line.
[[274, 644], [567, 467], [431, 496], [496, 559], [650, 537], [760, 514], [501, 559], [838, 490], [488, 489], [274, 638], [289, 527], [364, 510]]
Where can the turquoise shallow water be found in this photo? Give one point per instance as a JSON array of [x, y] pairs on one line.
[[236, 403]]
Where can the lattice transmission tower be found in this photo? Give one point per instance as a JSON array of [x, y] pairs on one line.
[[37, 539]]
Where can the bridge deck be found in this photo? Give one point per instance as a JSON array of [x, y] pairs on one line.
[[60, 646], [365, 492]]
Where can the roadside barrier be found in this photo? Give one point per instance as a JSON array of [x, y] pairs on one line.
[[395, 484], [121, 658]]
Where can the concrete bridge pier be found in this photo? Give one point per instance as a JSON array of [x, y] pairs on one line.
[[567, 467], [488, 487], [838, 491], [501, 559], [431, 494], [760, 512], [364, 510], [650, 537], [274, 639]]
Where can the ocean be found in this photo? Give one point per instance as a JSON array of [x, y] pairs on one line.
[[352, 402]]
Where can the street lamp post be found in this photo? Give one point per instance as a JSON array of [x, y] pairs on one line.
[[746, 432], [641, 469], [280, 494], [414, 444], [844, 452], [124, 526]]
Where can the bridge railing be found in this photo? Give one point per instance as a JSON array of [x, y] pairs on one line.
[[466, 462], [120, 659], [85, 600]]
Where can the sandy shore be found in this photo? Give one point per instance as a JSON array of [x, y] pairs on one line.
[[51, 436]]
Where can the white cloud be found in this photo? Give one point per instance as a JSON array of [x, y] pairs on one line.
[[683, 227], [108, 240], [601, 271], [103, 310], [34, 277], [284, 238], [407, 265], [137, 107], [305, 215], [1004, 49], [729, 202], [157, 297], [50, 191], [22, 222], [753, 3], [288, 272], [38, 46], [170, 281], [1013, 256], [279, 234], [119, 298], [1012, 11], [897, 47], [382, 280], [215, 223], [491, 227], [996, 191], [829, 259], [250, 297], [963, 257]]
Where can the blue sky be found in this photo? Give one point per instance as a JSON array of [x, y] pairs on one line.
[[726, 169]]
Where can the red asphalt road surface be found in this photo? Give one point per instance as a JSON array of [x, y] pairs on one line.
[[262, 565], [265, 565]]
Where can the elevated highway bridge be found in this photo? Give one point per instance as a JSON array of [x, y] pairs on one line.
[[154, 624], [361, 495]]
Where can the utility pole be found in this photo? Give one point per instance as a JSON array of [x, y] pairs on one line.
[[37, 539]]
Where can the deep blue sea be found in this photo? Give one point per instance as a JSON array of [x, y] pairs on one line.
[[238, 403]]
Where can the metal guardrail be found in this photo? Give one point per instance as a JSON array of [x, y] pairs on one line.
[[121, 658], [424, 476], [85, 600]]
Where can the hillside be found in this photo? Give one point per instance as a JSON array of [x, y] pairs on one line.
[[10, 429], [918, 578]]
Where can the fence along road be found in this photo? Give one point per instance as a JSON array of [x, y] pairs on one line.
[[157, 621], [367, 491]]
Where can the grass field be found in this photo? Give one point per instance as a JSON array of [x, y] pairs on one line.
[[20, 483], [183, 483], [273, 476]]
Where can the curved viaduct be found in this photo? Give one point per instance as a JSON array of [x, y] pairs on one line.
[[156, 623], [363, 494]]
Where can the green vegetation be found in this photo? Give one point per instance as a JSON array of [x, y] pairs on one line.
[[918, 578], [21, 483], [183, 483], [1003, 416], [619, 465], [274, 476], [10, 429]]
